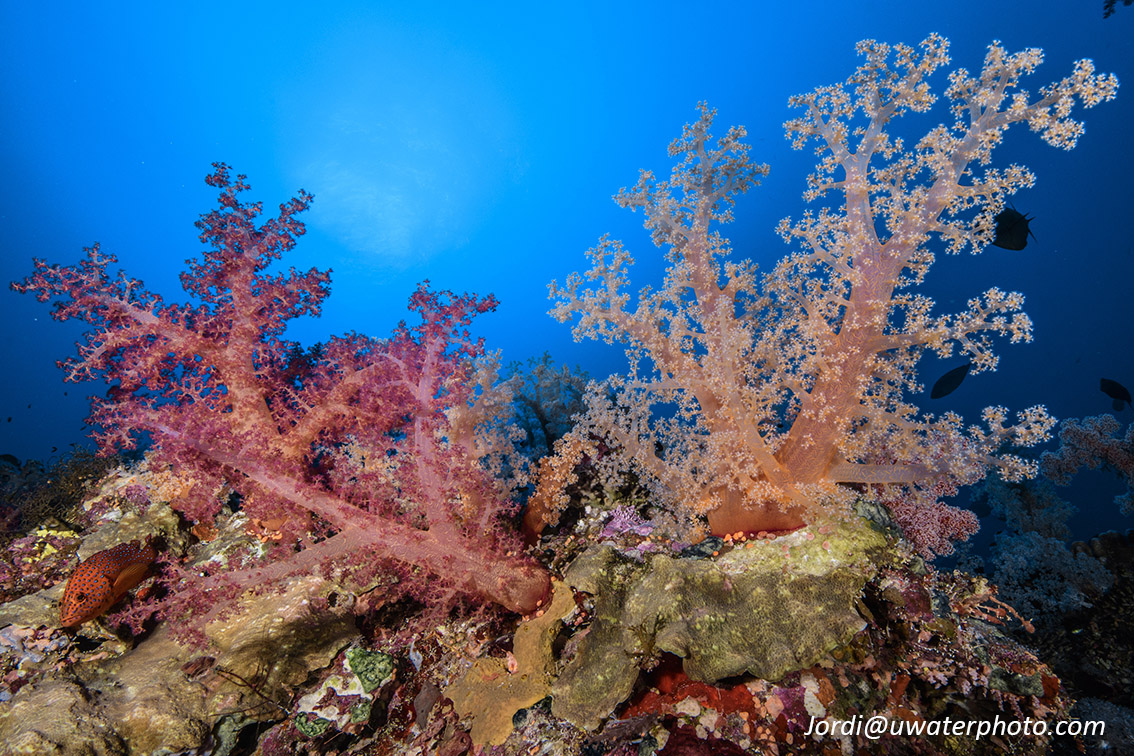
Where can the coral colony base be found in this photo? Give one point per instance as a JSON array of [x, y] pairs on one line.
[[722, 536]]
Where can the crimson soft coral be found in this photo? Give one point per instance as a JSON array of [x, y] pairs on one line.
[[360, 451]]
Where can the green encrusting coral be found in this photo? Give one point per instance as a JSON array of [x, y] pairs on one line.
[[767, 610], [372, 668]]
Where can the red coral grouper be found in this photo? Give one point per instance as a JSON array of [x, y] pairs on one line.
[[103, 579]]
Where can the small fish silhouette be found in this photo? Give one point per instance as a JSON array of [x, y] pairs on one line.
[[1115, 391], [949, 382], [1012, 230]]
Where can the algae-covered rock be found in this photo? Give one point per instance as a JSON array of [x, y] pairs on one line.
[[604, 670], [345, 698], [40, 609], [145, 700], [57, 717], [767, 609], [157, 520]]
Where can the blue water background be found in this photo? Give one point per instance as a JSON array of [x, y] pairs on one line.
[[478, 145]]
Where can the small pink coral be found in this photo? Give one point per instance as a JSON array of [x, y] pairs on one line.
[[1093, 442]]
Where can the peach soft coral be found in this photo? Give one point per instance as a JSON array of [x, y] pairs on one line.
[[757, 400]]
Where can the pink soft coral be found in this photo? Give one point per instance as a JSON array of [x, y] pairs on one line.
[[1094, 442], [363, 452]]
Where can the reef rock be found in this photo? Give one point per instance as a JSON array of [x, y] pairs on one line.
[[766, 609], [163, 697]]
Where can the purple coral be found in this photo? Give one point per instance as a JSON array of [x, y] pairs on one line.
[[625, 519]]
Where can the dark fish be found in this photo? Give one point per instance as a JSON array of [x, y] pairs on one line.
[[981, 507], [949, 382], [1012, 230], [1115, 391]]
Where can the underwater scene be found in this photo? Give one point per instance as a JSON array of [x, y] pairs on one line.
[[598, 379]]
